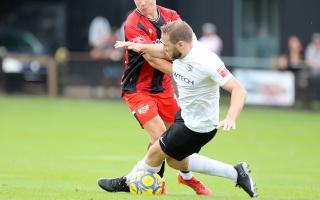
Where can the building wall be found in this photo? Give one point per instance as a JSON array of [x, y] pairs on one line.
[[195, 12], [301, 18], [81, 13]]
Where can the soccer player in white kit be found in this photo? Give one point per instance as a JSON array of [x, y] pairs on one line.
[[199, 74]]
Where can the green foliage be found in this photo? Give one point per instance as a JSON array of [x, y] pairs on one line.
[[57, 148]]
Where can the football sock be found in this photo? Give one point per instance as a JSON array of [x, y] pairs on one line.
[[186, 175], [205, 165], [141, 166], [133, 171], [145, 167]]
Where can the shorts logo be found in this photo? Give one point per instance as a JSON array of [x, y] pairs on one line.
[[223, 71], [161, 140], [143, 109]]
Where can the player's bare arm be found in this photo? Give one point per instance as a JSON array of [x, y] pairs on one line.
[[158, 63], [155, 50], [238, 96], [153, 53]]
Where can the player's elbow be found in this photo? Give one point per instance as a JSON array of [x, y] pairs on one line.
[[244, 91], [241, 90], [151, 60]]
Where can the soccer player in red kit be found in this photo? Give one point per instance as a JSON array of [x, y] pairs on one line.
[[147, 91]]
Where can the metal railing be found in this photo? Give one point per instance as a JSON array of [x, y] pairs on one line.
[[250, 62]]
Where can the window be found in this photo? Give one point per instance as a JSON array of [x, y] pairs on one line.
[[256, 28]]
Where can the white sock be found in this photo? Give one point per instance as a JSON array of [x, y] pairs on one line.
[[205, 165], [186, 175], [141, 166]]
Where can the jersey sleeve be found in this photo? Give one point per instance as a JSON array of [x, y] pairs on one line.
[[137, 35], [175, 16], [219, 73]]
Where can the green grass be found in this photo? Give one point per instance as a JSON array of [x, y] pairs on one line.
[[57, 148]]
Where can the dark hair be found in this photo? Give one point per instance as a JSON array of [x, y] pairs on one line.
[[178, 31]]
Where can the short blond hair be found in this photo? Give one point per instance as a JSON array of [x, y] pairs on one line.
[[178, 31]]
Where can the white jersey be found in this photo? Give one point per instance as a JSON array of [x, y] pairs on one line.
[[198, 76]]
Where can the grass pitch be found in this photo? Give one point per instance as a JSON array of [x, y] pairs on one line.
[[57, 148]]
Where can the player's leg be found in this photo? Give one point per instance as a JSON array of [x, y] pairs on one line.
[[151, 120], [195, 162], [183, 156], [204, 165], [239, 173], [144, 109], [172, 143], [152, 162], [184, 174], [152, 123], [155, 128], [168, 106]]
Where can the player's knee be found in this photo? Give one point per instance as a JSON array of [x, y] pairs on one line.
[[155, 155], [155, 137], [155, 134], [173, 163], [155, 150], [155, 128], [153, 140]]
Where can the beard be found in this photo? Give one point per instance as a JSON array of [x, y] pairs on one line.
[[176, 54]]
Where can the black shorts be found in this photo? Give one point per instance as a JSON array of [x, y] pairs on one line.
[[179, 141]]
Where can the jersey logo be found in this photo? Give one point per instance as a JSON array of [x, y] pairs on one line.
[[223, 71], [189, 67], [143, 109]]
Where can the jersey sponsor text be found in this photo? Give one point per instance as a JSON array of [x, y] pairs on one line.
[[183, 78]]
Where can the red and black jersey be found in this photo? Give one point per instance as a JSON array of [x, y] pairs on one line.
[[138, 75]]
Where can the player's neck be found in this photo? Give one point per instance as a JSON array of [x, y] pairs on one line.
[[153, 15]]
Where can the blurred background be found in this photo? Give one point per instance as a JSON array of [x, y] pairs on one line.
[[63, 123], [64, 47]]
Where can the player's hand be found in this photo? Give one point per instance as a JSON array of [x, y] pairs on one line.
[[121, 44], [226, 125], [130, 45]]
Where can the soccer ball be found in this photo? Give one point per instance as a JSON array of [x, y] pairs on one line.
[[146, 183]]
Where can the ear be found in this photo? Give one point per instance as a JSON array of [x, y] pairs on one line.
[[180, 44]]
